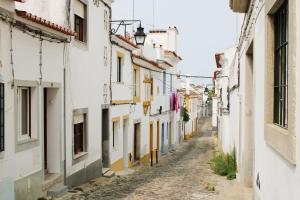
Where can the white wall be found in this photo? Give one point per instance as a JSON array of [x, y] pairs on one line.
[[85, 79], [25, 69]]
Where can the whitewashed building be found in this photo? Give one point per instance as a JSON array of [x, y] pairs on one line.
[[224, 97], [267, 59], [34, 38], [121, 142], [165, 43], [87, 90]]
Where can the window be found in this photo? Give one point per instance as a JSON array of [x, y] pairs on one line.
[[281, 91], [115, 134], [136, 84], [2, 143], [281, 67], [164, 82], [80, 21], [147, 86], [79, 125], [119, 69], [152, 88], [24, 112]]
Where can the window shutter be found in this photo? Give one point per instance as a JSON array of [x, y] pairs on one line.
[[79, 9], [2, 143]]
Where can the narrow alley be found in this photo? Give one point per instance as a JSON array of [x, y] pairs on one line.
[[183, 174]]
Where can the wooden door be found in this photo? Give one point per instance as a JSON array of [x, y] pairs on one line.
[[157, 136], [151, 138]]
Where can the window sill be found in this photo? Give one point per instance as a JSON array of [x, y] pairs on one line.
[[281, 141], [79, 155], [120, 83], [26, 140], [79, 44]]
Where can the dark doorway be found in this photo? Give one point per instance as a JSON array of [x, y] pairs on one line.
[[162, 137], [137, 139], [45, 131], [105, 138]]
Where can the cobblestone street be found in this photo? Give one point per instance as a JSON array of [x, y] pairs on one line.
[[182, 174]]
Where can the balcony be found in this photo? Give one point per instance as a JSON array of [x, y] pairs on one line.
[[240, 6]]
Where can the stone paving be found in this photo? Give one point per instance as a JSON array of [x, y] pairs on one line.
[[182, 174]]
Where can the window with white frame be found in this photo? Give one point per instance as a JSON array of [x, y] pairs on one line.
[[115, 132], [80, 20], [24, 112], [79, 134]]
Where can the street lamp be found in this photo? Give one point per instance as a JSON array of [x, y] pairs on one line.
[[139, 36], [206, 91]]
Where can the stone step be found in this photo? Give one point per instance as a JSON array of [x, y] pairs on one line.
[[108, 173], [104, 170], [57, 191]]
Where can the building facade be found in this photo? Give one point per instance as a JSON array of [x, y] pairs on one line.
[[263, 91], [32, 93]]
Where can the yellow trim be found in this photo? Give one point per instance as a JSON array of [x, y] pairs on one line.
[[125, 117], [130, 163], [119, 54], [146, 105], [118, 165], [136, 99], [115, 119], [121, 101], [152, 89], [146, 159], [136, 67]]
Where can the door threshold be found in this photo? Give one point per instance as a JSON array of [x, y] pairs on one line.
[[51, 179]]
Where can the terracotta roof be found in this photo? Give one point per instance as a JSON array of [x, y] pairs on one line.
[[157, 31], [165, 62], [218, 58], [127, 41], [174, 53], [44, 22], [152, 62]]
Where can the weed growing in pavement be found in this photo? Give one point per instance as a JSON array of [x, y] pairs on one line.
[[224, 164]]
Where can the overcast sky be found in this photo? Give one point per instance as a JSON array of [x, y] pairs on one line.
[[205, 27]]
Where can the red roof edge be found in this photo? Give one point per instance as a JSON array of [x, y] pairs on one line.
[[147, 60], [127, 41], [175, 54], [165, 62], [21, 1], [218, 58], [44, 22]]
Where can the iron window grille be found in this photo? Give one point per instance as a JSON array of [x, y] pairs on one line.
[[281, 66]]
